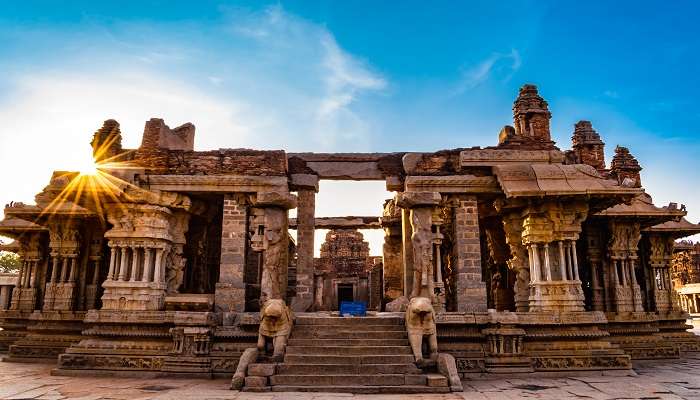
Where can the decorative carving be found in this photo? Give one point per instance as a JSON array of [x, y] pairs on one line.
[[420, 324], [275, 326]]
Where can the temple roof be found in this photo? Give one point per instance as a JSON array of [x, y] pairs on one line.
[[643, 209], [14, 225], [34, 212], [525, 180], [678, 229], [12, 247]]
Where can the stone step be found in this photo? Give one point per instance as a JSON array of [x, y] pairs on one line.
[[347, 334], [352, 321], [345, 359], [349, 369], [348, 342], [352, 350], [349, 328], [401, 389], [339, 380]]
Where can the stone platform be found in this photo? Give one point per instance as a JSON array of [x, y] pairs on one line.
[[654, 380]]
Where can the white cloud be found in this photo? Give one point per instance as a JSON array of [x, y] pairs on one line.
[[507, 63]]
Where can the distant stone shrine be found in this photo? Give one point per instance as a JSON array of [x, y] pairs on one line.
[[533, 258]]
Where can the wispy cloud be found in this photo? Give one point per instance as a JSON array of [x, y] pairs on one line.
[[505, 64], [613, 94]]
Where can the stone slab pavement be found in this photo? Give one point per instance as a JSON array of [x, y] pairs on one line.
[[679, 379]]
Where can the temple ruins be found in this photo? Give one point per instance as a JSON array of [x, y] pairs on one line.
[[520, 257]]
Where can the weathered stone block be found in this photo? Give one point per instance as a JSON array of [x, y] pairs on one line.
[[256, 382], [261, 369]]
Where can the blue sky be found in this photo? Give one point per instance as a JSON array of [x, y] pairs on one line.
[[348, 76]]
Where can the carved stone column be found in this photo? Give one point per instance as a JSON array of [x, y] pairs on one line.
[[157, 228], [622, 252], [547, 226], [420, 206], [661, 253], [306, 187], [273, 283], [519, 261], [392, 261]]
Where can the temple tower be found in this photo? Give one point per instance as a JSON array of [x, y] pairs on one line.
[[588, 148], [625, 168], [531, 114]]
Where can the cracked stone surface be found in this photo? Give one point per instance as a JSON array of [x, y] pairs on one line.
[[675, 379]]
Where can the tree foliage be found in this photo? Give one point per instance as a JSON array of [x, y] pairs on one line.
[[9, 262]]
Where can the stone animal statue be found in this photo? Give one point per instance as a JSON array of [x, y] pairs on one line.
[[420, 324], [275, 326]]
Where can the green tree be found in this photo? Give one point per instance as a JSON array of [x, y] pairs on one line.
[[9, 262]]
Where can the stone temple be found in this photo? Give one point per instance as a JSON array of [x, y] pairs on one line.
[[515, 258]]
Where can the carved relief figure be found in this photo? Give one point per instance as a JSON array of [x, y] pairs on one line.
[[422, 241], [275, 249], [275, 326], [420, 323]]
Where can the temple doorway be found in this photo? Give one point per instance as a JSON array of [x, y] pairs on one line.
[[345, 293]]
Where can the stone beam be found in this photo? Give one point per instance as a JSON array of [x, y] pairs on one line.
[[348, 166], [491, 157], [350, 222], [217, 183], [453, 184]]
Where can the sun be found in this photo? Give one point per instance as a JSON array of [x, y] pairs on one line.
[[86, 166]]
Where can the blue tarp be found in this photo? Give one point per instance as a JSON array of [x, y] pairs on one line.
[[356, 308]]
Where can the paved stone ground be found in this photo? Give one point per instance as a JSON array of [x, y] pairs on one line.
[[678, 379]]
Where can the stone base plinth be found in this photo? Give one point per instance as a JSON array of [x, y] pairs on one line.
[[125, 342], [674, 328], [627, 299], [24, 299], [570, 341], [60, 296], [48, 334], [133, 296], [639, 336], [508, 364], [14, 327], [556, 296]]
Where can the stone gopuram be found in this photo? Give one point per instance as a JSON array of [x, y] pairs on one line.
[[530, 259]]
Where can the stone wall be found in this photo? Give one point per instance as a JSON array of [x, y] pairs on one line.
[[470, 290], [230, 289]]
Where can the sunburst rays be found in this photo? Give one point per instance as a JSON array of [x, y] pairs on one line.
[[95, 187]]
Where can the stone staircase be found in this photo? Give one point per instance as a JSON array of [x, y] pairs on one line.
[[354, 355]]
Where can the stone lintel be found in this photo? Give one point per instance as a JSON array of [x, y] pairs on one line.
[[350, 170], [217, 183], [417, 199], [453, 184], [491, 157], [276, 199], [394, 184], [349, 222], [303, 181], [8, 279]]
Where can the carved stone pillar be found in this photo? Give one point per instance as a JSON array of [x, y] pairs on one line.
[[421, 206], [519, 262], [661, 253], [306, 187], [557, 225], [392, 261], [622, 250], [145, 226], [273, 284]]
